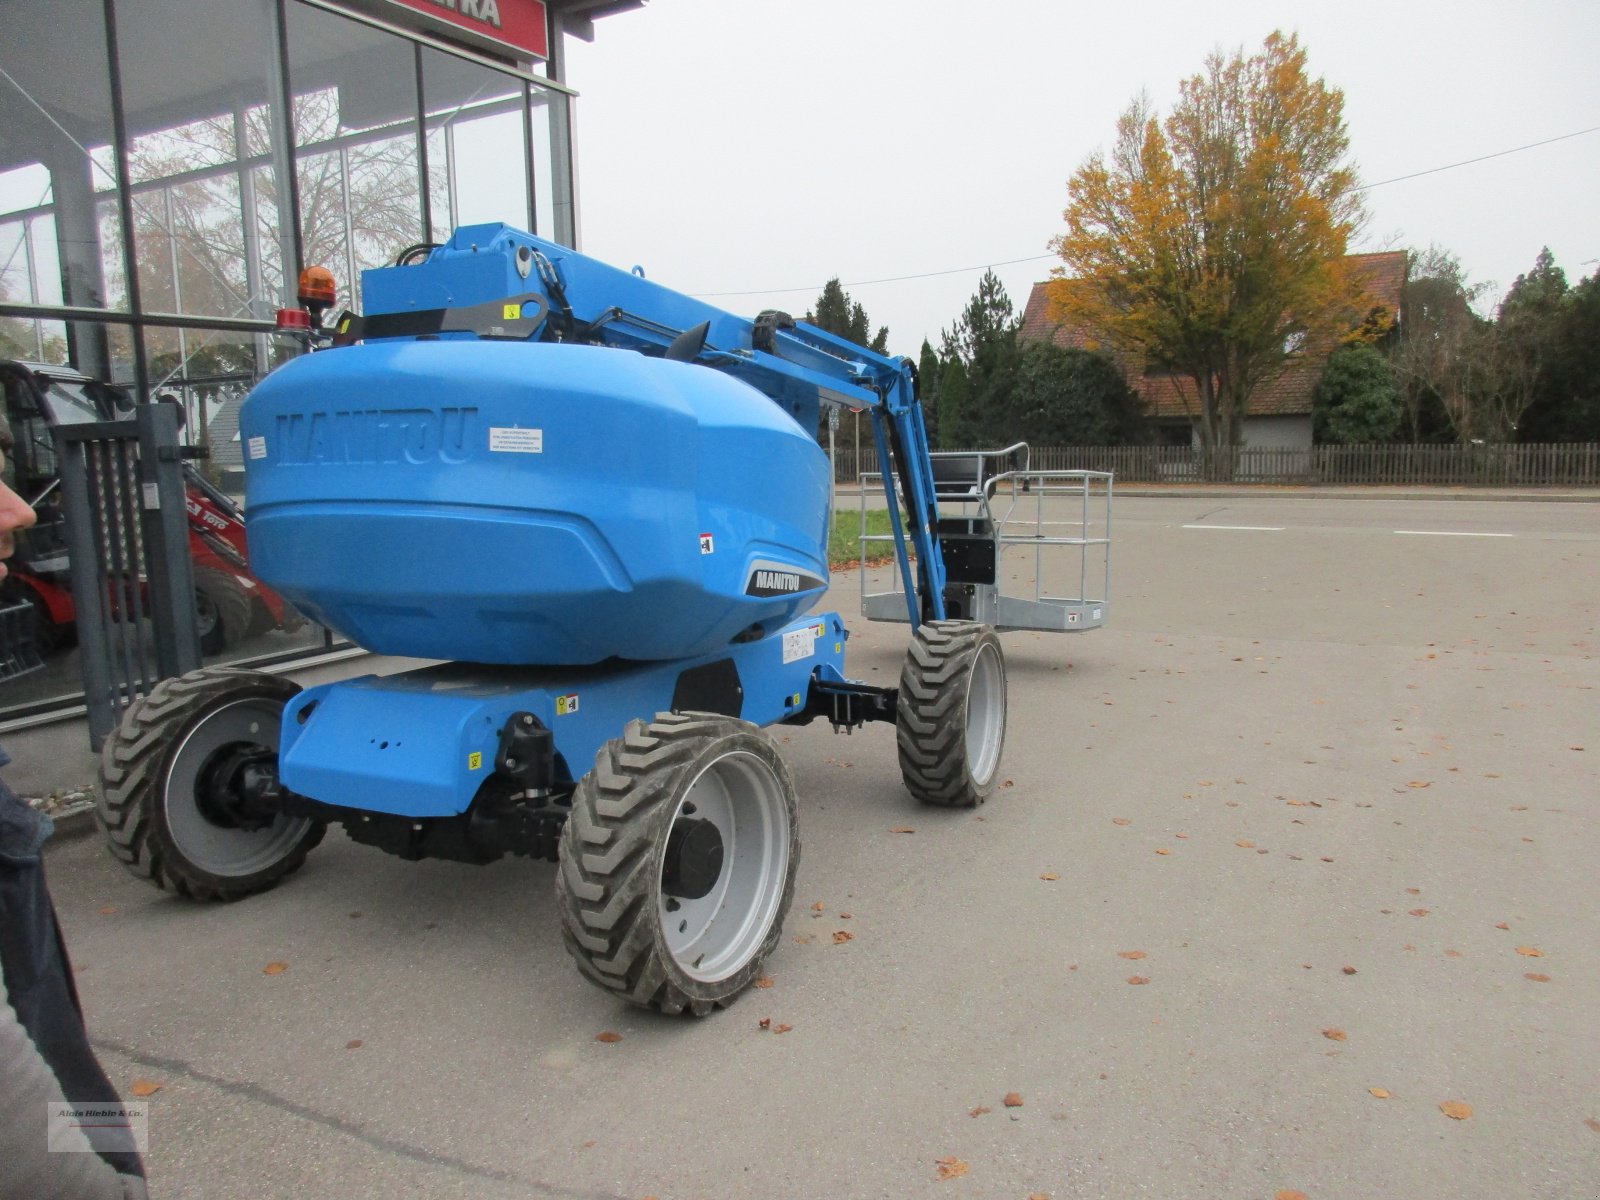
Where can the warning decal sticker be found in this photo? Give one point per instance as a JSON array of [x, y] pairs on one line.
[[566, 705], [515, 441]]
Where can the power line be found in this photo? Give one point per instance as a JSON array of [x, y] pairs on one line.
[[1467, 162], [1011, 262]]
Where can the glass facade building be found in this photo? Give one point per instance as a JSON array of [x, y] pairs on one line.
[[167, 167]]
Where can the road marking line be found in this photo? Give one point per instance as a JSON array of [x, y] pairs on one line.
[[1448, 533], [1246, 528]]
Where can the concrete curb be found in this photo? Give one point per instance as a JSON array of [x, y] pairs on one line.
[[73, 824]]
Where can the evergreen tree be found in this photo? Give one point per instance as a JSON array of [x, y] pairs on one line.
[[1070, 397], [954, 421], [1356, 401], [928, 382], [839, 315], [984, 341]]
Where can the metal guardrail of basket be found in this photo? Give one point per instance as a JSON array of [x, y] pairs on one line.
[[997, 514]]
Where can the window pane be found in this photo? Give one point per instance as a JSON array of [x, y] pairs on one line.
[[197, 209], [55, 138], [357, 153], [477, 164]]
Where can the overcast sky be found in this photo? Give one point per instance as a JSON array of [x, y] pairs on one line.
[[754, 146]]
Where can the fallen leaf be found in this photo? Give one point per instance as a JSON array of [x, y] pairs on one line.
[[1006, 783], [980, 1110], [607, 1036], [1133, 954], [1452, 954], [819, 906], [902, 829], [1038, 1196], [1537, 977], [353, 1044], [1163, 851], [1138, 980], [1335, 1035], [764, 1023], [1418, 912], [109, 910], [1380, 1093], [845, 916], [1419, 783], [1290, 1194], [1592, 1124], [144, 1087], [1326, 858], [1413, 891], [951, 1168], [1456, 1110], [1349, 970], [1530, 952], [1121, 821], [840, 936], [1245, 844], [275, 968], [1013, 1100], [1501, 925], [1050, 878], [764, 982], [782, 1028]]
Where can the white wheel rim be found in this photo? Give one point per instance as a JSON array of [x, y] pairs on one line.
[[986, 713], [712, 937]]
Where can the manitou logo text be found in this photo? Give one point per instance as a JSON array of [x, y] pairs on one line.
[[487, 11], [382, 435], [774, 579]]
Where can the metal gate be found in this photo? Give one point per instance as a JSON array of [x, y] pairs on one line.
[[132, 579]]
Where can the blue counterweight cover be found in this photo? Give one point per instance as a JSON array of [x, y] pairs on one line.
[[531, 503]]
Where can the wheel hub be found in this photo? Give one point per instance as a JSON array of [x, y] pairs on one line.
[[237, 787], [693, 860]]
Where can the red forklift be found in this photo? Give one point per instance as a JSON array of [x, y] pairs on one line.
[[231, 604]]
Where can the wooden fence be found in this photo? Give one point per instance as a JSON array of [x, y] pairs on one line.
[[1561, 464]]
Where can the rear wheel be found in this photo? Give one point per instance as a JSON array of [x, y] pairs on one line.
[[678, 862], [222, 609], [951, 717], [188, 795]]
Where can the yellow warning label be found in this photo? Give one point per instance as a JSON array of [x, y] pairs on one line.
[[511, 312], [475, 761], [566, 705]]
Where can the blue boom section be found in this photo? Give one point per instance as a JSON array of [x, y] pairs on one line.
[[421, 744]]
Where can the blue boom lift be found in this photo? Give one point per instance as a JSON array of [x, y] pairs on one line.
[[637, 512]]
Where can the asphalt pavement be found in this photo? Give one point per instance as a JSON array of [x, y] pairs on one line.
[[1295, 855]]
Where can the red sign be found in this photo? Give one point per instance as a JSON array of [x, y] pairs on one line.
[[518, 24]]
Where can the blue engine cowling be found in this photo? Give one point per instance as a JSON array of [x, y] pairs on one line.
[[531, 503]]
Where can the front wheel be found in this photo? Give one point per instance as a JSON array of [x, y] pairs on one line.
[[951, 715], [188, 795], [678, 862]]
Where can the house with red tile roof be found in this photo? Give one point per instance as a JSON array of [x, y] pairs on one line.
[[1280, 409]]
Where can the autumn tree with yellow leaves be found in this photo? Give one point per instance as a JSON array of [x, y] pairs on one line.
[[1213, 242]]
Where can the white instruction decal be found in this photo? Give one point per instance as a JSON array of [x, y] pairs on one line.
[[708, 544], [516, 441], [258, 447], [799, 643]]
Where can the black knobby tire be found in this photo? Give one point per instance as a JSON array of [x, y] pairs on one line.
[[151, 771], [951, 718], [222, 607], [618, 921]]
